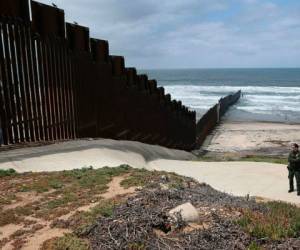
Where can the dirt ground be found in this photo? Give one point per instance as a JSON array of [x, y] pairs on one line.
[[126, 208], [29, 213]]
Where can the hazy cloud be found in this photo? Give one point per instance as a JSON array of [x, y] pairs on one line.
[[194, 33]]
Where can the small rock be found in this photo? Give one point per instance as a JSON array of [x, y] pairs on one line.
[[164, 178], [187, 211], [163, 186]]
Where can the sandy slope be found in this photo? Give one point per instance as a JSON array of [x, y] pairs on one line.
[[85, 153]]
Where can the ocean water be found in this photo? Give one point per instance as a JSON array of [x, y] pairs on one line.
[[268, 94]]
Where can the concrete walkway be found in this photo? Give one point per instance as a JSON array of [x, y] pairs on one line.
[[237, 178], [260, 179]]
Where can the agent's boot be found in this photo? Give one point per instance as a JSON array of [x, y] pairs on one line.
[[291, 182]]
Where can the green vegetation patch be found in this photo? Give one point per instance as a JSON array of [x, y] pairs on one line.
[[251, 158], [143, 177], [136, 246], [60, 192], [69, 241], [67, 198], [282, 220], [87, 178], [14, 216], [7, 199], [254, 246], [7, 217], [138, 178], [270, 159], [8, 172], [85, 219], [24, 211]]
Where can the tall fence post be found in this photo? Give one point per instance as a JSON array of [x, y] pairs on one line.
[[85, 80]]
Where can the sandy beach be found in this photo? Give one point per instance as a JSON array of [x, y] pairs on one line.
[[258, 138]]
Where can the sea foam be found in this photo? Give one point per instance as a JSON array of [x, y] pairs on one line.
[[280, 104]]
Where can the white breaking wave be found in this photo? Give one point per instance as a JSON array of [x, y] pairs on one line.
[[246, 89], [283, 103], [268, 108]]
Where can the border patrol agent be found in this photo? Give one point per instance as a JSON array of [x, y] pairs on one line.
[[294, 168]]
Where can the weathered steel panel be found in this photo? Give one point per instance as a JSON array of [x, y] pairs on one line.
[[47, 20], [15, 8], [86, 85], [131, 76], [106, 101], [78, 37], [86, 80], [99, 50], [118, 65]]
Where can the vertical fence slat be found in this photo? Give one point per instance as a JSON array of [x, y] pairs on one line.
[[15, 83], [4, 102], [65, 96], [26, 86], [48, 91], [37, 91], [22, 81], [51, 89], [43, 90], [29, 84], [10, 85], [66, 90], [33, 83], [55, 89], [3, 118], [60, 86], [72, 98]]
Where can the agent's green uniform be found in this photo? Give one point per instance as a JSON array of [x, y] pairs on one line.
[[294, 170]]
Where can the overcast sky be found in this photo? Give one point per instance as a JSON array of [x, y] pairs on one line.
[[193, 33]]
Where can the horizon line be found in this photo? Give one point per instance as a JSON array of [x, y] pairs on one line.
[[184, 68]]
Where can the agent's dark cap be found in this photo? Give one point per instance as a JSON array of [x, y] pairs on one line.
[[295, 145]]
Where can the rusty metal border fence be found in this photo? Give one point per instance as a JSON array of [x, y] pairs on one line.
[[57, 83], [228, 101], [212, 117]]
